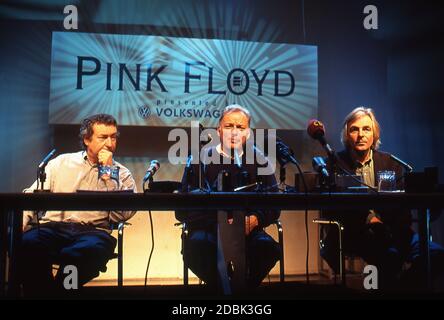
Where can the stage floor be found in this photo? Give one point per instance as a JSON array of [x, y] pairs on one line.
[[295, 287]]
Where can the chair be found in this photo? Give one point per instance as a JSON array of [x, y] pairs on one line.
[[280, 230], [340, 227], [183, 236], [185, 233], [119, 254], [120, 226]]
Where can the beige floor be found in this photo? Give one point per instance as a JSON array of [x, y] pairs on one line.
[[353, 280]]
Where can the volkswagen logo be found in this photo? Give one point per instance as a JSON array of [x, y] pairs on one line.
[[144, 112]]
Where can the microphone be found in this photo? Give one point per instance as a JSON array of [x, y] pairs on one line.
[[284, 153], [45, 161], [209, 137], [41, 174], [320, 166], [406, 166], [316, 130], [237, 160], [154, 166], [189, 161], [188, 174]]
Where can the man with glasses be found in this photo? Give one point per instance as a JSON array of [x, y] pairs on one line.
[[79, 238]]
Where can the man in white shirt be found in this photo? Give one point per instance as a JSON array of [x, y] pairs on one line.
[[79, 238]]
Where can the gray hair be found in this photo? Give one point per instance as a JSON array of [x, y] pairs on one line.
[[86, 128], [235, 108]]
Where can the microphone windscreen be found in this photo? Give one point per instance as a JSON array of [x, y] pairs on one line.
[[315, 129], [237, 159], [155, 165], [189, 161], [318, 162]]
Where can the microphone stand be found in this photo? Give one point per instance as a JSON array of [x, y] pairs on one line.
[[150, 181], [296, 163], [41, 174], [201, 145], [41, 177], [283, 176], [188, 172], [285, 155], [331, 180]]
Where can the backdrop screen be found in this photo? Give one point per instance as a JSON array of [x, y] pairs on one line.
[[169, 81]]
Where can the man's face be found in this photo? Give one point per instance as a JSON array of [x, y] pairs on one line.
[[233, 130], [360, 134], [103, 137]]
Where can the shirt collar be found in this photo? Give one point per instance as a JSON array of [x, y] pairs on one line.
[[223, 153], [86, 160], [366, 163]]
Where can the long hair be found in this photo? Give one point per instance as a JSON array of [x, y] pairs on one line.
[[356, 114]]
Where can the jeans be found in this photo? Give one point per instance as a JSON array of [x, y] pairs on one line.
[[201, 252], [85, 247], [396, 256]]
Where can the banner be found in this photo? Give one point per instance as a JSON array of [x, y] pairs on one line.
[[168, 81]]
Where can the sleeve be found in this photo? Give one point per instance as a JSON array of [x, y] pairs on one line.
[[126, 183]]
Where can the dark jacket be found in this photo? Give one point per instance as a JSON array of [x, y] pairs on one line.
[[238, 177], [398, 223], [381, 161]]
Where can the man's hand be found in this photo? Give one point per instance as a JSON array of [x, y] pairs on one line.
[[251, 222], [105, 157]]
